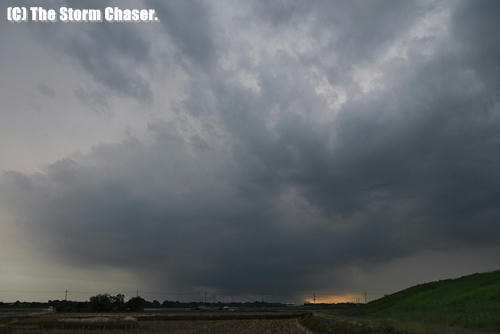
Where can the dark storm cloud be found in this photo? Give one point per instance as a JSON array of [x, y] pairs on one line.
[[46, 90], [116, 55], [192, 221], [346, 34], [188, 24], [113, 54], [408, 167], [96, 100], [480, 47], [153, 200]]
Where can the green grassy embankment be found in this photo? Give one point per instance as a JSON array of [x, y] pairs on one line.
[[471, 301]]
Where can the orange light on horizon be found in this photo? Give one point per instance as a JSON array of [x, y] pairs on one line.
[[345, 298]]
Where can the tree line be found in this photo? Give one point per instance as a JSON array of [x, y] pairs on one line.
[[116, 303]]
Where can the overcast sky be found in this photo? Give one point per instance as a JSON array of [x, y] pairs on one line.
[[250, 148]]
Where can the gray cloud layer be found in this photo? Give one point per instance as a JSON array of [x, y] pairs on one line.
[[299, 188]]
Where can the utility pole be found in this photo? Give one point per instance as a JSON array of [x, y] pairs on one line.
[[314, 298], [204, 297], [66, 295], [366, 297]]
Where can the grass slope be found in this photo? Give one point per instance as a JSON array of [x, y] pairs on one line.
[[470, 301]]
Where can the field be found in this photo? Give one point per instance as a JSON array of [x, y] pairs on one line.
[[253, 326], [319, 322], [467, 305], [323, 322], [165, 322]]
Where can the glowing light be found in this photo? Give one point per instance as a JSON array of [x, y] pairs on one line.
[[345, 298]]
